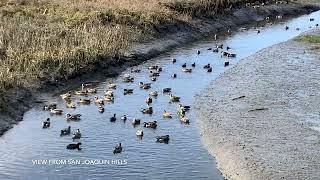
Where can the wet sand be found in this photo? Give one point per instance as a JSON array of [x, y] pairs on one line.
[[257, 118]]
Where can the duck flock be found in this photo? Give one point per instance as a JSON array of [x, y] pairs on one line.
[[80, 97]]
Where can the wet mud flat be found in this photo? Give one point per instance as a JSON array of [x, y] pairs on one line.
[[260, 118]]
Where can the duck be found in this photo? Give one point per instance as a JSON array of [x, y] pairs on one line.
[[91, 90], [144, 85], [71, 105], [117, 149], [112, 85], [174, 98], [159, 69], [108, 93], [185, 120], [101, 109], [148, 100], [108, 98], [139, 133], [136, 122], [206, 66], [209, 69], [98, 101], [153, 74], [86, 85], [84, 101], [187, 70], [311, 19], [193, 64], [46, 124], [184, 65], [150, 124], [81, 93], [56, 111], [228, 48], [128, 78], [153, 67], [124, 118], [215, 50], [258, 31], [209, 49], [185, 108], [148, 110], [49, 107], [66, 95], [127, 91], [166, 90], [153, 93], [153, 79], [65, 131], [73, 117], [287, 27], [113, 118], [198, 52], [174, 60], [174, 76], [163, 139], [226, 63], [166, 114], [77, 134], [134, 70], [74, 146], [219, 46]]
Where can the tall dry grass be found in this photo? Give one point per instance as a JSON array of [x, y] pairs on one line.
[[41, 39]]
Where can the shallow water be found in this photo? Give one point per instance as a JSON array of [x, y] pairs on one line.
[[183, 158]]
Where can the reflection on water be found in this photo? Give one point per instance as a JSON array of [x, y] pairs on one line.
[[183, 158]]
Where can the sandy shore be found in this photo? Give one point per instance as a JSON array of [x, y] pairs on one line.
[[257, 118]]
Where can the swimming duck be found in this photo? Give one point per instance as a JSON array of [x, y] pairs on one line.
[[56, 111], [185, 108], [150, 124], [145, 85], [71, 105], [174, 60], [206, 66], [108, 98], [226, 63], [159, 69], [84, 101], [166, 90], [101, 109], [127, 78], [98, 101], [228, 48], [287, 27], [117, 149], [73, 117], [163, 139], [153, 93], [311, 19], [81, 93], [209, 49], [198, 52], [66, 95], [219, 46], [174, 98], [258, 32], [74, 146], [112, 86], [215, 50], [148, 100], [135, 70], [185, 120], [153, 78], [184, 65], [154, 74], [124, 118], [49, 107], [108, 93], [127, 91], [209, 69], [46, 124], [136, 122], [174, 75], [77, 134], [167, 114], [193, 64], [91, 90], [147, 110], [113, 118], [187, 70], [139, 133], [65, 131], [153, 67]]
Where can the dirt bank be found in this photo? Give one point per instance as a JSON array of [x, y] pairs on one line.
[[17, 101], [256, 117]]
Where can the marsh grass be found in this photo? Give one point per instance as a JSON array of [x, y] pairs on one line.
[[309, 38], [56, 39]]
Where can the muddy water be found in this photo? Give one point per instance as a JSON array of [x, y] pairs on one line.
[[183, 158]]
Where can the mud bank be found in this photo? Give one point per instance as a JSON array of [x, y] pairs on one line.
[[18, 101], [256, 117]]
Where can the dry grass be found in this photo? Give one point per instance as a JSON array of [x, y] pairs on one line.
[[41, 39]]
